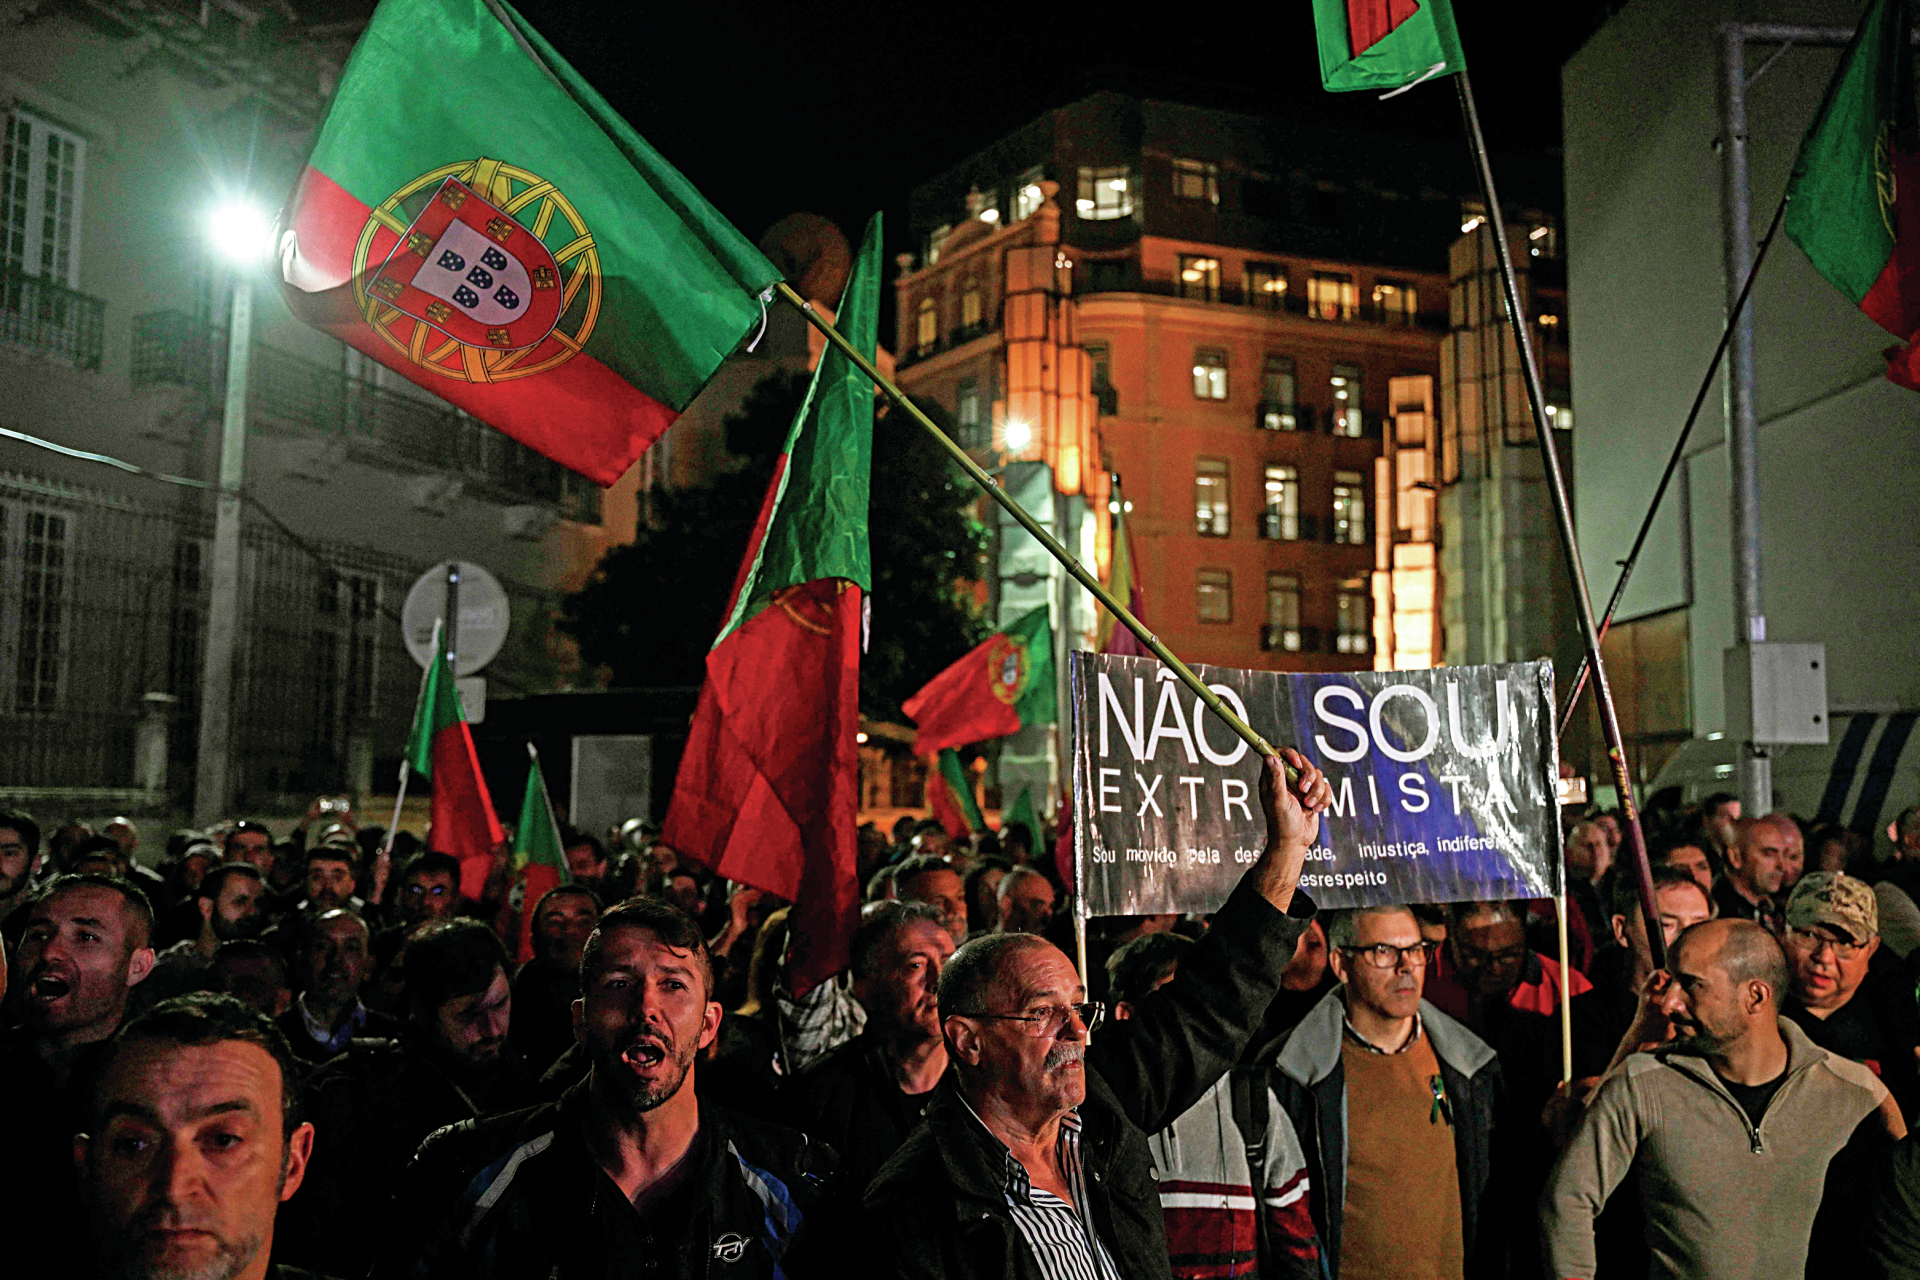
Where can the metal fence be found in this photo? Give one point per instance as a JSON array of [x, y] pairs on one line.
[[103, 605]]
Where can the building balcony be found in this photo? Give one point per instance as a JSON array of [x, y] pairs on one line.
[[1125, 277], [48, 319], [289, 395]]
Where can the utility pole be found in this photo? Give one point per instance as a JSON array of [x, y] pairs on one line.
[[213, 784]]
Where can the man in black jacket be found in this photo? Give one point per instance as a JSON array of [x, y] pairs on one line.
[[1032, 1163], [629, 1173], [865, 1097]]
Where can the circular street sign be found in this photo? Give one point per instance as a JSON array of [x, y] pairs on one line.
[[484, 615]]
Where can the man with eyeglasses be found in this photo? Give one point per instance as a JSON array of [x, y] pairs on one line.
[[1032, 1163], [1841, 996], [1394, 1105]]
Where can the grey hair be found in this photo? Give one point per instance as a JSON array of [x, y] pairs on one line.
[[1749, 953], [1342, 926], [969, 977]]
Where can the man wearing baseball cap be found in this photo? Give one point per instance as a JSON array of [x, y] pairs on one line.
[[1842, 993]]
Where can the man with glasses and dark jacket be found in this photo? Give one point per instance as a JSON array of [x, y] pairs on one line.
[[1032, 1163], [1394, 1105]]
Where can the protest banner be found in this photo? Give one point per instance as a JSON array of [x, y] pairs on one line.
[[1443, 783]]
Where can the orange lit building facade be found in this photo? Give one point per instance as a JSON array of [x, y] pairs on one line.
[[1255, 315]]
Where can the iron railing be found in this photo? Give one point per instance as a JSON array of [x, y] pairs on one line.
[[287, 394], [51, 319]]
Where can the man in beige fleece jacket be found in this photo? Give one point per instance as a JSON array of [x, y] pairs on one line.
[[1731, 1125]]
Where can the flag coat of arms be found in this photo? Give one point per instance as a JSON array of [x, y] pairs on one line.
[[769, 784], [1002, 684], [475, 217]]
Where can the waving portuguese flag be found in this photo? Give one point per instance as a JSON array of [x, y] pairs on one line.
[[476, 218], [769, 786], [1003, 683], [538, 858], [950, 795], [441, 748], [1385, 44], [1854, 200]]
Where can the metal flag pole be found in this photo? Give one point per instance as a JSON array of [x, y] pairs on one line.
[[1673, 465], [383, 861], [1563, 513], [1038, 531]]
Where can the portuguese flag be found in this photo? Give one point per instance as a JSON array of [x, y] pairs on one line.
[[950, 795], [1023, 814], [1385, 44], [1003, 683], [476, 218], [1125, 585], [538, 858], [1853, 204], [440, 748], [768, 786]]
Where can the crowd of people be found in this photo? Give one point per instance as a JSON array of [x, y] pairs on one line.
[[254, 1055]]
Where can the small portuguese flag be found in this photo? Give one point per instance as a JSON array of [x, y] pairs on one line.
[[538, 858], [1002, 684], [476, 218], [1385, 44], [950, 795], [1023, 814], [1123, 581], [769, 785], [440, 748], [1853, 203]]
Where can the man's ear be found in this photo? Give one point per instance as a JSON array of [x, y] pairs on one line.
[[1337, 961], [139, 965], [1122, 1010], [963, 1039], [710, 1023], [299, 1151], [1620, 930], [206, 909]]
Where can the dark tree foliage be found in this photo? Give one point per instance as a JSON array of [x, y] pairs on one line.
[[651, 609]]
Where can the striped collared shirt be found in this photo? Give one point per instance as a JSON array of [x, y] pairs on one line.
[[1354, 1035], [1061, 1235]]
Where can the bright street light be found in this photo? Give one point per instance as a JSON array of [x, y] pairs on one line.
[[1019, 436], [242, 233]]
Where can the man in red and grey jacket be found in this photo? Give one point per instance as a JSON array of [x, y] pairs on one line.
[[1217, 1226]]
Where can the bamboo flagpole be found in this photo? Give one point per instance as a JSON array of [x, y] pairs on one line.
[[1563, 514], [383, 861], [1037, 530]]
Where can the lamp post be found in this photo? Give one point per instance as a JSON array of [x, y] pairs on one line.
[[241, 235]]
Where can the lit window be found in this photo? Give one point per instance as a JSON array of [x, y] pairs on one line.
[[1196, 180], [1027, 196], [1279, 407], [1280, 514], [40, 171], [1213, 595], [1100, 362], [967, 415], [1283, 613], [1210, 497], [1210, 374], [970, 305], [935, 239], [927, 335], [1394, 302], [1348, 419], [1200, 278], [984, 205], [1331, 296], [1353, 632], [1267, 285], [1543, 240], [1560, 416], [1105, 194], [1349, 508], [1473, 215]]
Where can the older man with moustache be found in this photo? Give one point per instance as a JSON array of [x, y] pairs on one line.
[[1032, 1163]]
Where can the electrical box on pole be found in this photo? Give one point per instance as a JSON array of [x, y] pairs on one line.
[[1777, 693]]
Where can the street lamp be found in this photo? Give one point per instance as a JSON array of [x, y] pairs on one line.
[[241, 234], [1018, 436]]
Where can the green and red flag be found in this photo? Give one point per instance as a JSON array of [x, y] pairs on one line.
[[950, 795], [1853, 203], [475, 217], [1002, 684], [1387, 45], [1124, 583], [440, 748], [1023, 814], [768, 788], [539, 859]]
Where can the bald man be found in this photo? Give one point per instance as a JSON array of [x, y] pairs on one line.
[[1756, 868], [1731, 1125]]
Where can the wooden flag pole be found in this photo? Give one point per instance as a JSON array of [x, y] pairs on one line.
[[1038, 531], [1563, 514]]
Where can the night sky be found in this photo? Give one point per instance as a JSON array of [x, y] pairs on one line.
[[841, 109]]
